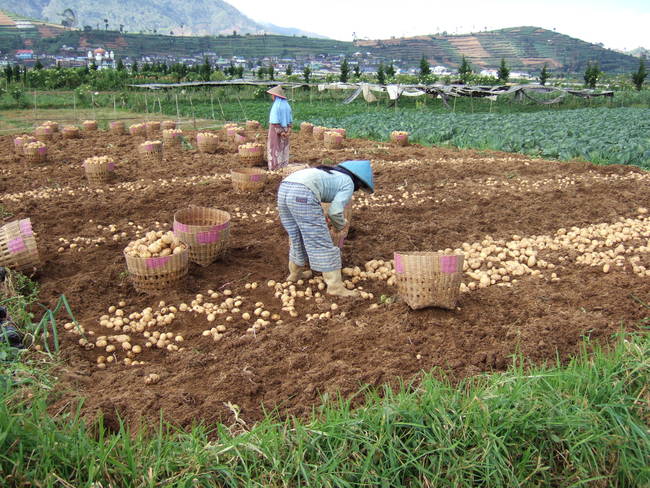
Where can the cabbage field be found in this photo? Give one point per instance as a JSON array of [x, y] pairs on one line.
[[600, 135]]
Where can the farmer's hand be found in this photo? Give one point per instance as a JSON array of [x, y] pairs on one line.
[[340, 229]]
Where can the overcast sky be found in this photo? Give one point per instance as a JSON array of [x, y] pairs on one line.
[[623, 24]]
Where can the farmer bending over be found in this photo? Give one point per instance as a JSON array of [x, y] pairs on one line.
[[299, 203]]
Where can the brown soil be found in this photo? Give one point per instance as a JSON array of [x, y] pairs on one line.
[[287, 367]]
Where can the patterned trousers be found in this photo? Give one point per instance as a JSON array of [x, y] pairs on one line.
[[302, 217]]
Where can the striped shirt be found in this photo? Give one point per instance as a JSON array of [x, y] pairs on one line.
[[335, 188]]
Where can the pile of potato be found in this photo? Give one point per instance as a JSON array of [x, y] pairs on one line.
[[155, 244], [33, 145], [98, 161]]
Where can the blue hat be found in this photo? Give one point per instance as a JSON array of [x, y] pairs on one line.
[[363, 171]]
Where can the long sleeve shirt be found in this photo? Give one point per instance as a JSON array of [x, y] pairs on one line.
[[334, 188], [281, 113]]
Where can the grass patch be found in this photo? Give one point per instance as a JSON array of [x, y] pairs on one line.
[[582, 424]]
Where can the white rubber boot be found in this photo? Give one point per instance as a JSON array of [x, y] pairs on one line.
[[335, 285], [297, 272]]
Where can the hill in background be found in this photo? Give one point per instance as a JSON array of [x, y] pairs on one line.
[[180, 17], [523, 48]]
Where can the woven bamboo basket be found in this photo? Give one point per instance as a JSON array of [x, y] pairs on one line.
[[18, 249], [307, 128], [248, 179], [99, 174], [205, 230], [207, 144], [251, 154], [151, 152], [35, 155], [338, 237], [400, 138], [318, 132], [54, 125], [153, 127], [229, 130], [338, 130], [167, 124], [117, 127], [332, 140], [70, 132], [429, 279], [240, 139], [150, 275], [292, 168], [44, 133], [89, 125], [20, 141], [171, 138], [252, 125], [138, 130]]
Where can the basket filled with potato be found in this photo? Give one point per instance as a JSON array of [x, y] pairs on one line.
[[157, 261]]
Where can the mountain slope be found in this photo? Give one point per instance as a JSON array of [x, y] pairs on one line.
[[522, 48], [195, 17]]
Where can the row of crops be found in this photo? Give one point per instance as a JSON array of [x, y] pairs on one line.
[[602, 136]]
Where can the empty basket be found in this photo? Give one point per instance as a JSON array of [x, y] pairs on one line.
[[429, 279], [248, 179], [205, 230], [18, 248]]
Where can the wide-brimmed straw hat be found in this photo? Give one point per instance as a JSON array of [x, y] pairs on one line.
[[277, 91]]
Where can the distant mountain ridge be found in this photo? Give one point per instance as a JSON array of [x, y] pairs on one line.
[[169, 17]]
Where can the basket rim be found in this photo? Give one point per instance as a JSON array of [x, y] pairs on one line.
[[179, 215]]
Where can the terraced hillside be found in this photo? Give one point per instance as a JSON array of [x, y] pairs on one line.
[[522, 47]]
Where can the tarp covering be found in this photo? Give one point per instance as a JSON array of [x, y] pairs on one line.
[[395, 91]]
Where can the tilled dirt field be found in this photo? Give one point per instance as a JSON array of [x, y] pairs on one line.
[[426, 199]]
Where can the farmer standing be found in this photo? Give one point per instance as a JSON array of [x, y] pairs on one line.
[[280, 121], [299, 203]]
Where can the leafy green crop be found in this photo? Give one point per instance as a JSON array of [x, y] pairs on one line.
[[602, 136]]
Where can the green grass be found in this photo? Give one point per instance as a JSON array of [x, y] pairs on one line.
[[582, 424]]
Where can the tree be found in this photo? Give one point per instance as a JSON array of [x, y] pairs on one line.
[[261, 72], [306, 73], [289, 70], [543, 75], [134, 67], [345, 71], [206, 70], [381, 74], [271, 73], [639, 77], [239, 71], [357, 71], [465, 71], [17, 72], [38, 65], [93, 66], [503, 72], [592, 73], [390, 70], [425, 68], [105, 24], [9, 73]]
